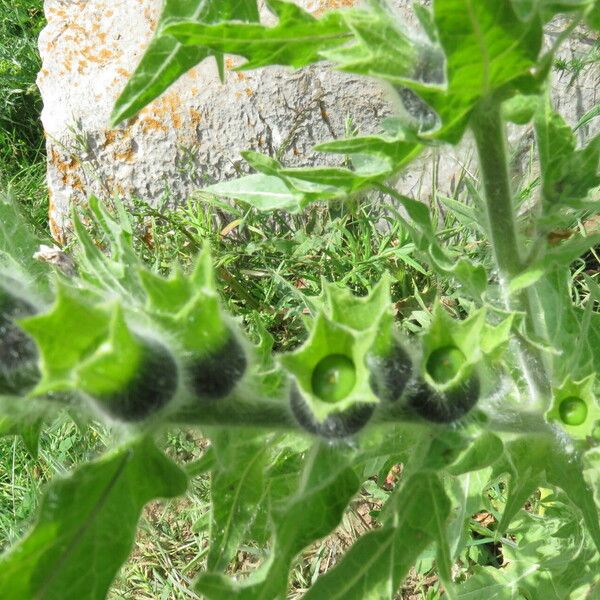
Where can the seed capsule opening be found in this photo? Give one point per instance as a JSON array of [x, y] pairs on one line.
[[443, 364], [333, 378], [573, 411]]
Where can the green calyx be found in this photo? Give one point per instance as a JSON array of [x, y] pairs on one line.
[[330, 369], [575, 408], [452, 348], [91, 347], [188, 307]]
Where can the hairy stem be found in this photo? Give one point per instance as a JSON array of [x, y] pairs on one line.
[[490, 137]]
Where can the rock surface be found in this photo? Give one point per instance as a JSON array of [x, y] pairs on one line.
[[192, 135]]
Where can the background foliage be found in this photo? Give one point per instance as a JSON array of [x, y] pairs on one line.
[[503, 503]]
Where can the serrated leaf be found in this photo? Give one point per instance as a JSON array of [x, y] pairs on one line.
[[568, 173], [296, 40], [569, 330], [237, 487], [481, 453], [28, 429], [490, 583], [165, 59], [376, 564], [534, 460], [325, 487], [487, 47], [397, 150], [591, 473], [382, 49], [88, 518], [526, 9], [524, 461], [338, 178], [466, 492], [117, 269]]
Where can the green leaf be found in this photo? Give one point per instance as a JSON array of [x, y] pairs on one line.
[[237, 488], [296, 40], [326, 485], [491, 583], [467, 493], [165, 59], [569, 331], [339, 178], [398, 149], [18, 244], [591, 473], [534, 460], [382, 49], [29, 429], [487, 48], [481, 453], [116, 270], [376, 564], [568, 174], [87, 523], [526, 9], [525, 461], [520, 109], [593, 17], [264, 192]]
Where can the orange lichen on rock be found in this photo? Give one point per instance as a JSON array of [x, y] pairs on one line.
[[127, 155], [100, 56], [195, 117], [324, 5], [148, 124], [55, 229]]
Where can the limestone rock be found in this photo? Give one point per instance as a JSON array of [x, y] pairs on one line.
[[193, 134]]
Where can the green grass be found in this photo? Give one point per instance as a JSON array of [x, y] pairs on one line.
[[22, 151], [269, 266]]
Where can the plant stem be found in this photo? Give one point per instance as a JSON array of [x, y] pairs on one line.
[[490, 137], [488, 129]]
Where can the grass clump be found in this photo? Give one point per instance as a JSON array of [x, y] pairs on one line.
[[22, 149]]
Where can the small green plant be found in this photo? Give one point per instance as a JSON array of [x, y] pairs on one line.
[[491, 410]]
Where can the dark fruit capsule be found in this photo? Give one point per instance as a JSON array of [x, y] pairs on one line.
[[390, 374], [150, 390], [447, 406], [18, 352], [573, 411], [214, 375], [333, 378], [337, 425]]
